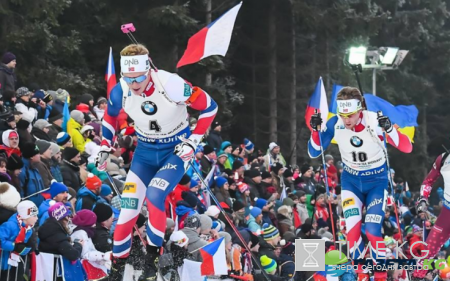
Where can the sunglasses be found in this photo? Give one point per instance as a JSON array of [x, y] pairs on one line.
[[138, 79], [347, 115]]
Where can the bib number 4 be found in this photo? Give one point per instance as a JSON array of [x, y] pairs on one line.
[[154, 126], [359, 156]]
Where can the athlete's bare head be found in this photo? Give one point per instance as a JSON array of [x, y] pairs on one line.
[[349, 101], [130, 51]]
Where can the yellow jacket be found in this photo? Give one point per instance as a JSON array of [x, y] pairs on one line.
[[73, 129]]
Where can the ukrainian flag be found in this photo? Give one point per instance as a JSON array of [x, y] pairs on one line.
[[404, 117]]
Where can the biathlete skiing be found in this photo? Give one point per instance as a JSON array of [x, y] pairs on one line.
[[157, 101], [359, 135]]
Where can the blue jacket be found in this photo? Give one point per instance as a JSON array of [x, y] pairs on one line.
[[31, 182], [181, 210], [8, 234], [43, 211], [86, 199], [253, 226], [55, 170]]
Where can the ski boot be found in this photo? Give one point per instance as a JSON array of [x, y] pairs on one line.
[[117, 269], [151, 264]]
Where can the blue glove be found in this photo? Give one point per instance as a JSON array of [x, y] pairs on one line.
[[21, 249]]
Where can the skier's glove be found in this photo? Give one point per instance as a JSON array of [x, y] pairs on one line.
[[315, 121], [21, 249], [385, 123], [185, 150], [422, 205], [102, 156]]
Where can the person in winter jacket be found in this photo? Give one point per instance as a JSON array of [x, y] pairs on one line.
[[55, 162], [192, 230], [321, 215], [273, 156], [175, 196], [40, 130], [70, 169], [10, 144], [214, 138], [419, 249], [242, 264], [30, 178], [64, 140], [115, 163], [179, 243], [58, 193], [285, 222], [17, 239], [14, 167], [7, 76], [301, 206], [102, 238], [55, 119], [186, 208], [89, 195], [43, 166], [9, 101], [25, 105], [254, 222], [100, 108], [74, 126], [221, 191], [9, 199], [85, 221], [271, 237], [86, 105], [7, 122]]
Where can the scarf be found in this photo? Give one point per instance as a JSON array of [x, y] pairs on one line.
[[89, 230], [23, 230]]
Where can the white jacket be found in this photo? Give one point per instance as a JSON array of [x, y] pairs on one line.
[[99, 112], [28, 113], [89, 253]]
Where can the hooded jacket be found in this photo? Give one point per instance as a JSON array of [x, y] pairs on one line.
[[86, 199], [31, 182], [7, 78], [253, 226], [28, 109], [73, 129]]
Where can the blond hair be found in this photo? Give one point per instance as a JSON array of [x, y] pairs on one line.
[[348, 93], [134, 50]]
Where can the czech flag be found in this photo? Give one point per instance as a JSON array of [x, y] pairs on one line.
[[318, 102], [110, 75], [214, 259], [214, 39]]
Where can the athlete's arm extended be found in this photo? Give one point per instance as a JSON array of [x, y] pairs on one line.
[[397, 139], [314, 142], [431, 178], [109, 124]]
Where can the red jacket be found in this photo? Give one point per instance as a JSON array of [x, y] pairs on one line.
[[417, 249], [172, 199], [321, 212]]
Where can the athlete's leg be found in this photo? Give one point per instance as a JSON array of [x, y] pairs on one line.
[[439, 234]]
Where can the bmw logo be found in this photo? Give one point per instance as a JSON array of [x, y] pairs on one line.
[[149, 108], [356, 142]]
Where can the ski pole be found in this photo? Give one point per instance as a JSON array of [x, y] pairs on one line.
[[326, 181], [391, 182], [229, 221], [113, 184], [36, 193]]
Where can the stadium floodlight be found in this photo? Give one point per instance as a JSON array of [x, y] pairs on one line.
[[389, 57], [357, 55]]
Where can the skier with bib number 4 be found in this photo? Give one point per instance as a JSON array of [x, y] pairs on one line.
[[157, 101], [359, 135]]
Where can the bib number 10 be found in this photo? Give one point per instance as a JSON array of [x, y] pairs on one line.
[[359, 156]]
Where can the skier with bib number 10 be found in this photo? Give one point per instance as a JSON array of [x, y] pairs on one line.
[[359, 135], [157, 101]]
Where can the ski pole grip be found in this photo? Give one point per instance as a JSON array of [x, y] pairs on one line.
[[128, 27]]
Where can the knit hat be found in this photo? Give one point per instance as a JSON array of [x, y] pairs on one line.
[[268, 264], [194, 183], [253, 173], [288, 202], [243, 187], [185, 179], [205, 222], [141, 220], [207, 149], [416, 228], [214, 125], [9, 196], [237, 164], [300, 194], [270, 232], [106, 190], [328, 157], [85, 98], [8, 57], [103, 212], [276, 167], [220, 182], [222, 154], [43, 146], [14, 162], [224, 145], [248, 145], [57, 188], [305, 168], [285, 211], [62, 95], [69, 153], [101, 100], [192, 222], [169, 223], [189, 198], [255, 211], [92, 182], [62, 138], [58, 210], [325, 234], [85, 217], [77, 115], [272, 145], [29, 150], [54, 148], [179, 238], [260, 202], [265, 175], [7, 135], [320, 196], [41, 124], [288, 173], [22, 91], [27, 209], [212, 211], [54, 115], [238, 205]]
